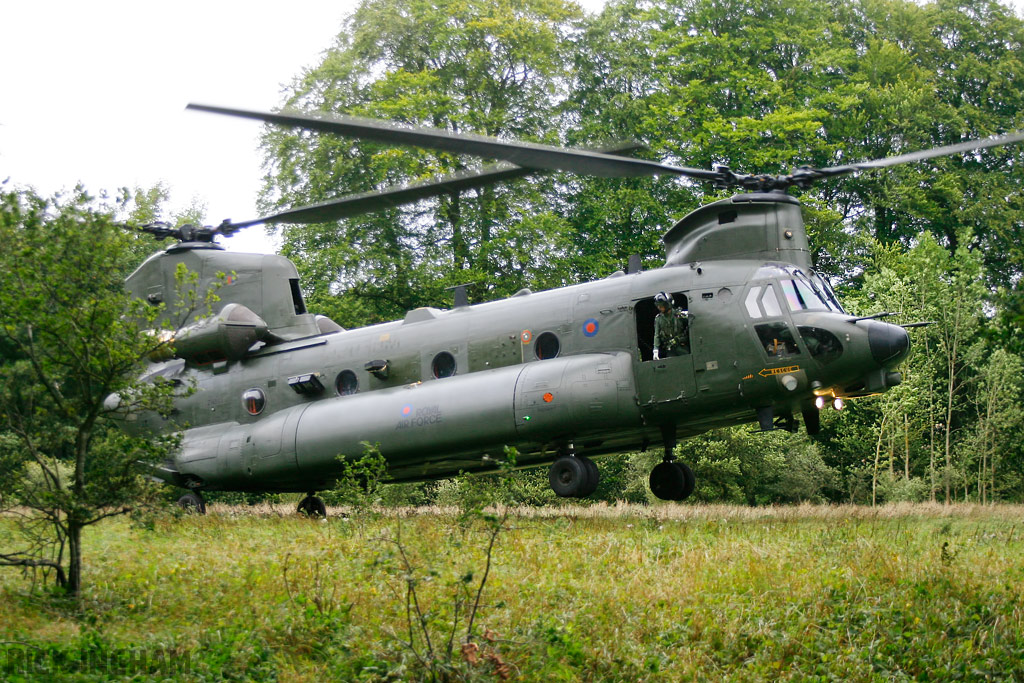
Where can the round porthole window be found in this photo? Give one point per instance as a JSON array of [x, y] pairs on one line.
[[443, 365], [546, 346], [347, 383], [254, 401]]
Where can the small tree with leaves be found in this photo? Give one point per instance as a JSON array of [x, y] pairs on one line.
[[71, 351]]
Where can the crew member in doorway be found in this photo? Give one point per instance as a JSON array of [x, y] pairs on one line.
[[671, 328]]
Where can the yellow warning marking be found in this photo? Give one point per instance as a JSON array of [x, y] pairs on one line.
[[768, 372], [750, 376]]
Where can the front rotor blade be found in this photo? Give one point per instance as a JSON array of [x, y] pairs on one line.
[[529, 155], [912, 157]]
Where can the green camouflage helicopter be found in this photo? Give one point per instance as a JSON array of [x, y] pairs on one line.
[[562, 375]]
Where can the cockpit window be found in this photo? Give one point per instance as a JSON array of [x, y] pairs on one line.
[[822, 344], [803, 291], [801, 296], [792, 298], [770, 303], [777, 339], [811, 299], [829, 294], [751, 303]]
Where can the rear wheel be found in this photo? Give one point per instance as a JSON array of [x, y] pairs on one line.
[[569, 477], [311, 506], [192, 502], [593, 476]]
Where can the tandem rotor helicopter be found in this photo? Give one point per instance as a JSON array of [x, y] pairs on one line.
[[562, 375]]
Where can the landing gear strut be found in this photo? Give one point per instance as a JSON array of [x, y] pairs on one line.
[[193, 502], [311, 506], [573, 476], [671, 480]]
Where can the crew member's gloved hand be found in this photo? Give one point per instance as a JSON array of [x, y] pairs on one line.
[[656, 356]]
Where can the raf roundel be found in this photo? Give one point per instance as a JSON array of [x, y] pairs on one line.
[[406, 410], [590, 328]]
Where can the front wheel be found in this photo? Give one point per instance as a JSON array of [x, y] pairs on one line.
[[672, 481]]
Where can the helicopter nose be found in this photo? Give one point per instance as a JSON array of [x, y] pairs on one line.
[[889, 343]]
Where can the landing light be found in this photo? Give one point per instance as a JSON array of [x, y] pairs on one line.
[[819, 402], [838, 403]]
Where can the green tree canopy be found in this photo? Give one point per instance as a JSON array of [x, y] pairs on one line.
[[72, 342]]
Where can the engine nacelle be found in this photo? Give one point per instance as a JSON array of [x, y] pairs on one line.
[[228, 335]]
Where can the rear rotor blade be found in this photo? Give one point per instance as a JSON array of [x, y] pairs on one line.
[[392, 197], [368, 202], [529, 155]]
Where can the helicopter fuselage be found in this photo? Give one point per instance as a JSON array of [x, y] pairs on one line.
[[566, 370]]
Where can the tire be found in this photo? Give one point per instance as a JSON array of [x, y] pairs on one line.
[[311, 506], [593, 476], [568, 477], [193, 503], [690, 481], [668, 481]]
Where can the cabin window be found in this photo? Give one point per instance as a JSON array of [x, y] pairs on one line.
[[777, 339], [300, 305], [347, 383], [547, 346], [254, 401], [443, 365], [727, 217], [822, 344]]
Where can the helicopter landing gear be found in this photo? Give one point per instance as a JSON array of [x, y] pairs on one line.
[[595, 475], [311, 506], [192, 502], [812, 419], [573, 476], [671, 480]]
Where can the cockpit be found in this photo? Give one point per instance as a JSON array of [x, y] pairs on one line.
[[800, 291]]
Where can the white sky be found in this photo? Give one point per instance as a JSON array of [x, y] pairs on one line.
[[94, 92]]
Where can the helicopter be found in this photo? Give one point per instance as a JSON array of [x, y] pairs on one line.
[[563, 375]]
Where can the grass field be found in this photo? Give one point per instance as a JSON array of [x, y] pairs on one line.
[[574, 593]]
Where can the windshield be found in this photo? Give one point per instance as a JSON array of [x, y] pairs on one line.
[[830, 294], [806, 294], [803, 291]]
